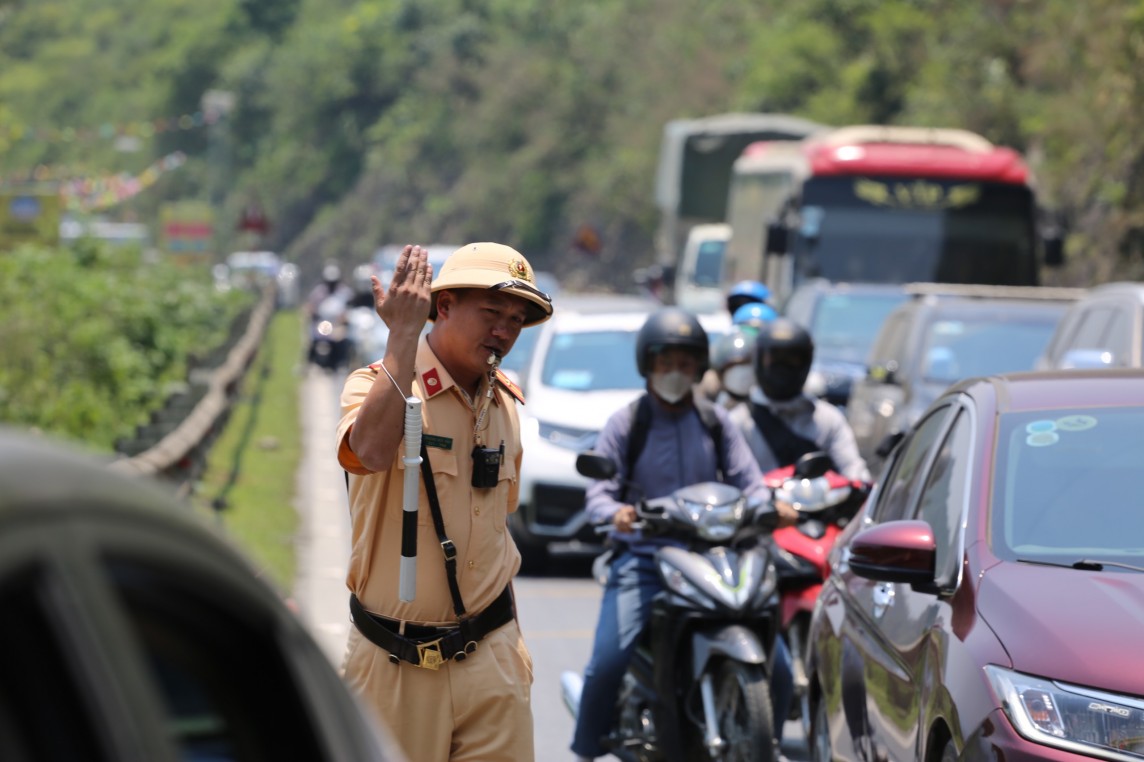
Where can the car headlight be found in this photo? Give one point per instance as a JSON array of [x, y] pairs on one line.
[[715, 523], [1081, 720]]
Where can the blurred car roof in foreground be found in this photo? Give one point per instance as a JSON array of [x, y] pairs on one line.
[[132, 631]]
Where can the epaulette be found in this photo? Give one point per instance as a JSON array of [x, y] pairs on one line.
[[509, 386]]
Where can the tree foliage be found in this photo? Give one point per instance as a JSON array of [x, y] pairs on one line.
[[92, 338], [362, 122]]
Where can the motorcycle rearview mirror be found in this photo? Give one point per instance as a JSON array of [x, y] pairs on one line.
[[813, 465], [594, 465]]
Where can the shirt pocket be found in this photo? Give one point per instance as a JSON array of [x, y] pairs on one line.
[[444, 465]]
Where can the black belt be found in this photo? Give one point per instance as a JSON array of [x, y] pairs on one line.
[[426, 646]]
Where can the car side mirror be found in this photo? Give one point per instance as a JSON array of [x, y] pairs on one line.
[[776, 238], [896, 551], [594, 465]]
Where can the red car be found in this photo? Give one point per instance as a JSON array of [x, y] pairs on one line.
[[988, 604]]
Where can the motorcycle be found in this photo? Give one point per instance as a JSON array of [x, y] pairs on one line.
[[697, 686], [826, 502], [330, 341]]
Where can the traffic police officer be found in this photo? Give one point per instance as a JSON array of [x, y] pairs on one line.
[[447, 672]]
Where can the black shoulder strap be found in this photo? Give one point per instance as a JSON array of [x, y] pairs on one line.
[[711, 422], [447, 545], [637, 437], [787, 446]]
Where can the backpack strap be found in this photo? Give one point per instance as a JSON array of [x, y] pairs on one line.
[[714, 427], [786, 445], [637, 437]]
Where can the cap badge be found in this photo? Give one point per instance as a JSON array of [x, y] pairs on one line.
[[518, 268]]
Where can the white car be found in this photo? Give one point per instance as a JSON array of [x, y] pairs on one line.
[[581, 369]]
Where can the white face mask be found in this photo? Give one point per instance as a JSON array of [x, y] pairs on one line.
[[737, 379], [672, 386]]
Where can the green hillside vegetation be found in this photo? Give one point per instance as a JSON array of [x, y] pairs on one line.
[[93, 339], [363, 122]]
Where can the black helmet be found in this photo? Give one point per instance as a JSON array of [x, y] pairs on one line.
[[783, 354], [732, 348], [670, 327]]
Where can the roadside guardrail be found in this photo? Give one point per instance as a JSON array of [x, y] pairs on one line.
[[174, 447]]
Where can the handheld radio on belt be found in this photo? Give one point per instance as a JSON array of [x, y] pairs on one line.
[[407, 582]]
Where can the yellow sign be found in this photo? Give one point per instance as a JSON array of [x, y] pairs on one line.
[[916, 194], [28, 218], [188, 231]]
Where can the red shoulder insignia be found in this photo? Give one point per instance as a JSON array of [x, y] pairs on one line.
[[430, 382], [510, 387]]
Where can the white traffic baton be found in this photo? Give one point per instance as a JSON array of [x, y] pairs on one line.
[[407, 582]]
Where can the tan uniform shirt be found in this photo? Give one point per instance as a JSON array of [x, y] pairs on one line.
[[475, 519]]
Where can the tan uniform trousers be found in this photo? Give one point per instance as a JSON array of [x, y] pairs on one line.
[[476, 710]]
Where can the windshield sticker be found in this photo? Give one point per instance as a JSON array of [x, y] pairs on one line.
[[1037, 427], [1075, 422], [1043, 439], [918, 194]]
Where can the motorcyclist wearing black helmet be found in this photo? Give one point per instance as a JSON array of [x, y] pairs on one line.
[[781, 423], [686, 439], [780, 419]]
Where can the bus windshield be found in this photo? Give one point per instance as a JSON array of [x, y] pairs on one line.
[[899, 230]]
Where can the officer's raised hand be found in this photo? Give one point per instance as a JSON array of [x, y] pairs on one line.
[[404, 307]]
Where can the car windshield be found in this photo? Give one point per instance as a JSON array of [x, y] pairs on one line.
[[844, 325], [895, 230], [592, 360], [1067, 485], [963, 346]]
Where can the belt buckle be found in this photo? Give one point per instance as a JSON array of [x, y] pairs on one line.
[[429, 654]]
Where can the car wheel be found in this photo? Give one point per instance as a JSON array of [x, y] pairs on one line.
[[820, 747]]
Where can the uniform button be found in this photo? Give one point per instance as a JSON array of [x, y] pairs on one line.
[[477, 510], [471, 564]]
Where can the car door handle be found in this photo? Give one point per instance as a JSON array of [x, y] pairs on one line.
[[883, 598]]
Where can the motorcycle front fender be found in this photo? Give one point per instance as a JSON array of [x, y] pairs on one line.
[[732, 641]]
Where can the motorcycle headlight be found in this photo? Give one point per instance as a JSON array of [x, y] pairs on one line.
[[325, 327], [1080, 720], [715, 523], [811, 495]]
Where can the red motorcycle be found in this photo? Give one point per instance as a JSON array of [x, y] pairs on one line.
[[826, 502]]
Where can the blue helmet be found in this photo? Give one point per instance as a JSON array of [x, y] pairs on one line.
[[746, 292], [754, 315]]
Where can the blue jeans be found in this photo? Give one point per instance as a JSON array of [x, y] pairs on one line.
[[633, 582]]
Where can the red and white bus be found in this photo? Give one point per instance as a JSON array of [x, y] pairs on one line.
[[877, 204]]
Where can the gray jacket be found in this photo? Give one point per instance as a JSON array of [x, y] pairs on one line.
[[810, 418]]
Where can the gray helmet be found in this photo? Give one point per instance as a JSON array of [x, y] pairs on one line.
[[670, 327], [732, 348], [784, 351]]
